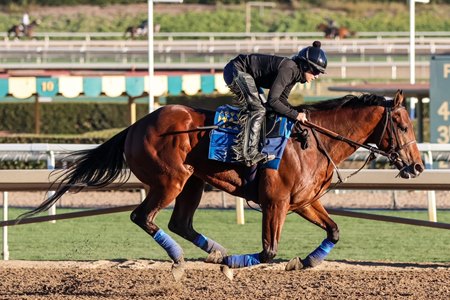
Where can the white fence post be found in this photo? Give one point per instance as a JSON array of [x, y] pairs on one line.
[[240, 219], [51, 166], [143, 194], [432, 215]]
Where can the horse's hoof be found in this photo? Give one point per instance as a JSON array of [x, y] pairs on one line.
[[214, 257], [178, 271], [227, 272], [294, 264]]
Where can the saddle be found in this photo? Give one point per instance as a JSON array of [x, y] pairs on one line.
[[277, 131]]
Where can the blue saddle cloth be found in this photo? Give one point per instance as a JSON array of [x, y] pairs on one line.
[[223, 138]]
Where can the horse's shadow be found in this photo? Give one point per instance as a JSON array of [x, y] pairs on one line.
[[130, 263], [394, 264]]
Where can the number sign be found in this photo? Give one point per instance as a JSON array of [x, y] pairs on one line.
[[440, 99]]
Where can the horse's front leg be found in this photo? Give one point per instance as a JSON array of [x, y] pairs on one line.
[[316, 214], [274, 215]]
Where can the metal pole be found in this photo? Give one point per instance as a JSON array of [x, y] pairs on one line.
[[5, 229], [151, 75], [412, 42]]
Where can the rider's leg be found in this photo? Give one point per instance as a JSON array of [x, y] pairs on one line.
[[256, 113]]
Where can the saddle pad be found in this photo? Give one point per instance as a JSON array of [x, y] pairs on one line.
[[223, 138]]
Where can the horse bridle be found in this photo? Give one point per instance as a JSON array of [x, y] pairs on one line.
[[393, 154]]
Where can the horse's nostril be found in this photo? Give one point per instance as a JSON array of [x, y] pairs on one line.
[[418, 168]]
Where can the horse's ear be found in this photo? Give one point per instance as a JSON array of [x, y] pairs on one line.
[[399, 98]]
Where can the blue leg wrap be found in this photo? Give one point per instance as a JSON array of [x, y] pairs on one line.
[[318, 255], [240, 261], [173, 249], [208, 245], [201, 241]]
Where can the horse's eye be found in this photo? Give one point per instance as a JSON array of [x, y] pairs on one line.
[[402, 128]]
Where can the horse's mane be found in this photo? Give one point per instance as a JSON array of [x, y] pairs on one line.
[[346, 101]]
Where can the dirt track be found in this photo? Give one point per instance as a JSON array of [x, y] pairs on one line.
[[145, 279], [153, 280]]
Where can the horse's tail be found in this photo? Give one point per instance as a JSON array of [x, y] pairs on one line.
[[95, 168]]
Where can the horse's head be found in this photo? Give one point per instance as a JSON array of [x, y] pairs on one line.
[[397, 138]]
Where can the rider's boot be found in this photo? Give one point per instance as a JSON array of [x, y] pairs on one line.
[[252, 155]]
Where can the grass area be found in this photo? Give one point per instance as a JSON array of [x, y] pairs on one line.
[[114, 236]]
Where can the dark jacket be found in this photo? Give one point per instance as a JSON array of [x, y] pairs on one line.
[[278, 74]]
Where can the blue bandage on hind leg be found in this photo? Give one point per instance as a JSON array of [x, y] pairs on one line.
[[318, 255], [208, 245], [201, 241], [240, 261], [173, 249]]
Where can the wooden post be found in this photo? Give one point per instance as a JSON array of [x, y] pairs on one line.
[[132, 109], [37, 115]]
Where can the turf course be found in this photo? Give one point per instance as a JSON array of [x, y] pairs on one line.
[[114, 236]]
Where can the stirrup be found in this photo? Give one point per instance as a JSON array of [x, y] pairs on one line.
[[259, 158]]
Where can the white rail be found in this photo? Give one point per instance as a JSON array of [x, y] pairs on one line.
[[15, 149], [46, 49]]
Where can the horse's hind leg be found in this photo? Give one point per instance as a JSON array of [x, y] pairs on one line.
[[316, 214], [144, 216], [181, 221]]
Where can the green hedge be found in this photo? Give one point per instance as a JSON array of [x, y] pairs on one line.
[[68, 118], [79, 118]]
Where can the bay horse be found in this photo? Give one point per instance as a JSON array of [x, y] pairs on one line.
[[18, 31], [135, 31], [335, 32], [140, 31], [167, 150]]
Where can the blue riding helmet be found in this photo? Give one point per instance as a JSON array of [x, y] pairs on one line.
[[315, 57]]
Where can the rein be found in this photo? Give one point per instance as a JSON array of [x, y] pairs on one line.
[[392, 155], [339, 137]]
